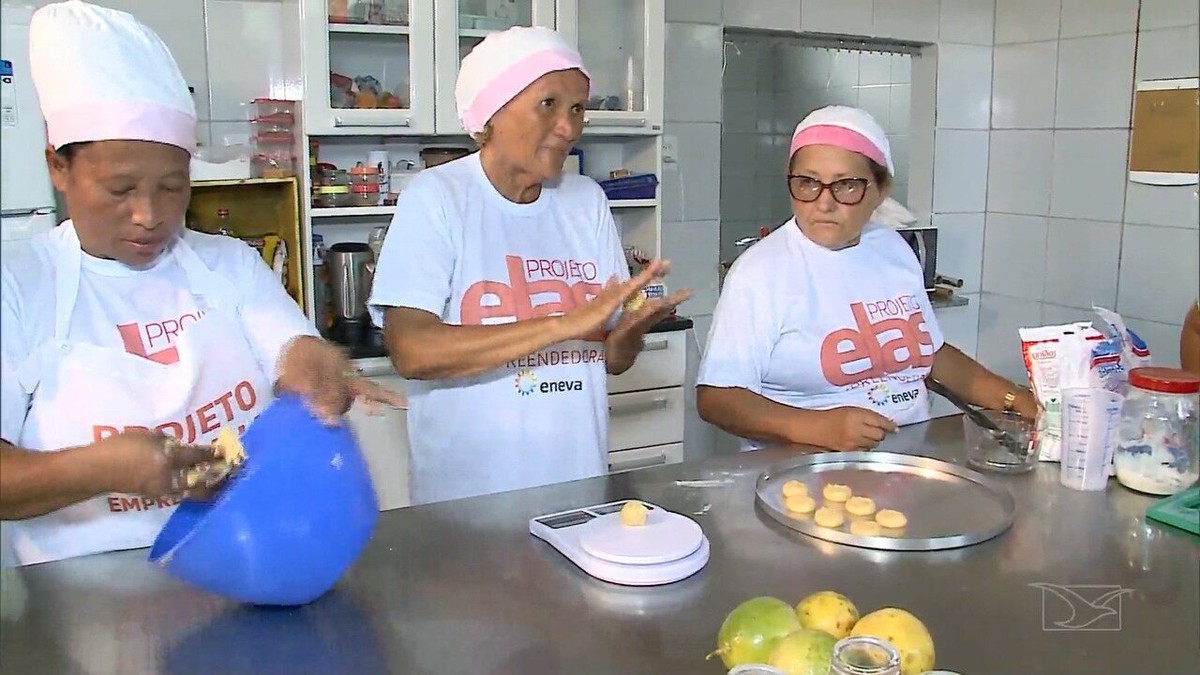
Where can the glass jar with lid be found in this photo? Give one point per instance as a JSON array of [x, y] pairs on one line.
[[864, 655], [1158, 448]]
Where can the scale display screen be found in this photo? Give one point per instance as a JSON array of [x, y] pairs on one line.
[[566, 519]]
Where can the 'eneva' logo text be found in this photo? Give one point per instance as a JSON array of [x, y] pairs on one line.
[[155, 340], [889, 337]]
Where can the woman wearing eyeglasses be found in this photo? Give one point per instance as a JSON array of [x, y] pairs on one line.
[[823, 334]]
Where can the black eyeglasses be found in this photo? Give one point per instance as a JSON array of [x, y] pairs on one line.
[[846, 191]]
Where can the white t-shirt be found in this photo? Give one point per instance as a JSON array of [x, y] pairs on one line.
[[813, 328], [142, 311], [458, 249]]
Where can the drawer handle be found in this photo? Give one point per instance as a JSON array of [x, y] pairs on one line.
[[657, 459], [656, 403], [376, 370], [615, 122], [339, 122], [655, 346]]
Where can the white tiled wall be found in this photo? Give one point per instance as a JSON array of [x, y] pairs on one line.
[[1065, 228], [769, 86]]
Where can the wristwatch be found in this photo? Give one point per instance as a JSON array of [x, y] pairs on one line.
[[1010, 400]]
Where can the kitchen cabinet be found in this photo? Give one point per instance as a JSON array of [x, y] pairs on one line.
[[386, 51], [462, 24], [623, 45], [383, 437], [646, 405]]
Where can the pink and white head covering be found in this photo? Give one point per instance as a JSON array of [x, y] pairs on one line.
[[502, 65], [845, 127], [100, 75]]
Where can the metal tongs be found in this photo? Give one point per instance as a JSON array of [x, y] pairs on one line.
[[1001, 436]]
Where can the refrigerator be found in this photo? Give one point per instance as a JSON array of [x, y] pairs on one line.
[[27, 204]]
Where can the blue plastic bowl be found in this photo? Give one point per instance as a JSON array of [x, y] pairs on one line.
[[286, 527]]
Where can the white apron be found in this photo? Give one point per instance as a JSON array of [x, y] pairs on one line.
[[81, 392]]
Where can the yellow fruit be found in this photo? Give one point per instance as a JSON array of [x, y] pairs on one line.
[[829, 612], [907, 634], [750, 631], [803, 652]]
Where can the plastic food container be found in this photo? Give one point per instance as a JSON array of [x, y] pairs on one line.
[[365, 194], [331, 196], [361, 174], [276, 111], [1158, 440]]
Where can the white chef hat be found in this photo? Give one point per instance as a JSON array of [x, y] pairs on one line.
[[850, 128], [502, 65], [102, 75]]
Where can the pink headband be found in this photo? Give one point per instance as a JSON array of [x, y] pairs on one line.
[[512, 80], [121, 120], [828, 134]]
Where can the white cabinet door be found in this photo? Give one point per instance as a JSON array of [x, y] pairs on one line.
[[641, 458], [623, 45], [462, 24], [644, 418], [383, 438], [345, 55], [662, 363]]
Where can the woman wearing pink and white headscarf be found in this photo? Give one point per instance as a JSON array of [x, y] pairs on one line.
[[499, 283], [824, 334]]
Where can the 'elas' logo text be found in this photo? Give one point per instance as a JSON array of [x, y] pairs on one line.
[[907, 345], [558, 286]]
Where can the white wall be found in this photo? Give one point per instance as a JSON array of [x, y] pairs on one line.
[[1065, 229]]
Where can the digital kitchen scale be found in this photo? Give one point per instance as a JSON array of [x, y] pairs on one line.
[[669, 547]]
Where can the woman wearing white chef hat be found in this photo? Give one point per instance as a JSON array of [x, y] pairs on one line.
[[497, 282], [824, 334], [120, 329]]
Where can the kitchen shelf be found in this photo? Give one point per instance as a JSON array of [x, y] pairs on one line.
[[632, 203], [368, 28], [350, 211]]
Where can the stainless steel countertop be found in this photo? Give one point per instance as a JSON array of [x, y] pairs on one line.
[[462, 587]]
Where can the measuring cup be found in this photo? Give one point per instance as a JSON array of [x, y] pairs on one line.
[[1089, 437]]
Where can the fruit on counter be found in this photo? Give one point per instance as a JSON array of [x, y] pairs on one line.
[[750, 631], [907, 634], [828, 611], [633, 514], [803, 652]]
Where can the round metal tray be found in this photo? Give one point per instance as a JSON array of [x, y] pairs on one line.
[[947, 505]]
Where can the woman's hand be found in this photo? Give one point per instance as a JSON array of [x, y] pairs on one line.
[[850, 428], [320, 373], [624, 343], [590, 320], [153, 465]]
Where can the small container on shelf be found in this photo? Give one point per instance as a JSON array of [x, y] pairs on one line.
[[361, 174], [364, 194], [331, 196], [275, 111], [633, 186], [328, 174]]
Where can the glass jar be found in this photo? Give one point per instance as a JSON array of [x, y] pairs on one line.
[[864, 655], [1158, 447]]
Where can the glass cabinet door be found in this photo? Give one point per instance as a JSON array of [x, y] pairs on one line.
[[622, 45], [375, 74], [462, 24]]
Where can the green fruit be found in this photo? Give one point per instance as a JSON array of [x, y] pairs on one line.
[[751, 630], [803, 652]]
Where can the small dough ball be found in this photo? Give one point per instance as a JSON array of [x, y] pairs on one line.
[[230, 446], [633, 514], [891, 519], [635, 303], [826, 517], [836, 493], [794, 488], [865, 528], [800, 504], [860, 506]]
